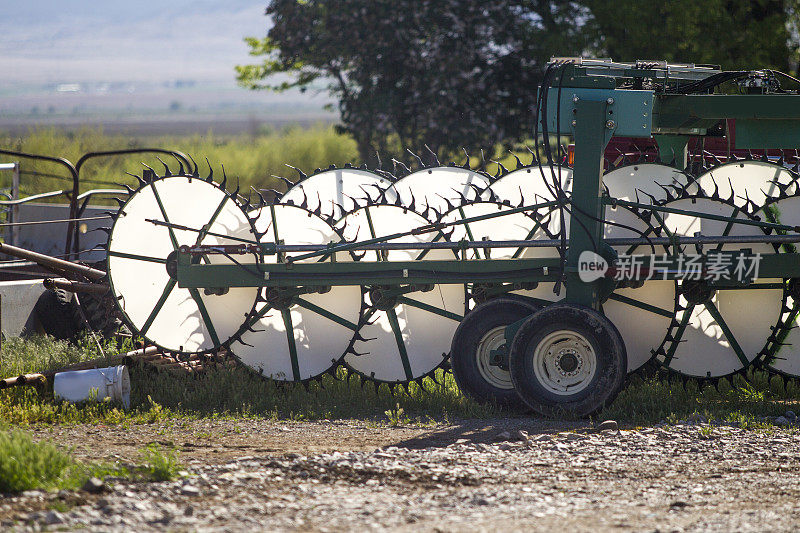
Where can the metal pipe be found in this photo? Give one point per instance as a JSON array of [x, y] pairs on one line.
[[60, 221], [52, 263], [709, 216], [535, 243], [25, 379], [105, 361], [76, 286]]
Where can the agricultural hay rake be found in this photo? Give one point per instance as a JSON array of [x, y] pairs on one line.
[[544, 285]]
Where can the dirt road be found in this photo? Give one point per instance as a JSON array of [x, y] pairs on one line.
[[472, 475]]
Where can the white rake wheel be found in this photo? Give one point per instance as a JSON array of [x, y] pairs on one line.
[[745, 180], [725, 334], [176, 319], [437, 188], [526, 186], [404, 337], [300, 337], [332, 193], [783, 356]]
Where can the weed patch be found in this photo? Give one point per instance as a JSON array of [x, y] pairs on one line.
[[27, 465]]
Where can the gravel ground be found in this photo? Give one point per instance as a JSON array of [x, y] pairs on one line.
[[475, 475]]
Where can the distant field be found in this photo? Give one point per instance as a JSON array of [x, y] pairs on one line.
[[183, 124], [253, 158]]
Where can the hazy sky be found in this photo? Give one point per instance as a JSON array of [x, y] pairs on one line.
[[69, 41]]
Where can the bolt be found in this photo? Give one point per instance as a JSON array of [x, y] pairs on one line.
[[574, 122], [610, 101], [575, 98], [611, 124]]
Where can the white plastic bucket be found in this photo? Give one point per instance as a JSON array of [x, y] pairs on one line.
[[112, 382]]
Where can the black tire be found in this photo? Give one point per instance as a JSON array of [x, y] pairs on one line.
[[598, 373], [101, 313], [479, 327], [58, 314]]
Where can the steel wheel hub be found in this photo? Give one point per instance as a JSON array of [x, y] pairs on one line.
[[493, 373], [564, 362]]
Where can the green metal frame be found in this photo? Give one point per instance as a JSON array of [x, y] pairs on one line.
[[592, 108]]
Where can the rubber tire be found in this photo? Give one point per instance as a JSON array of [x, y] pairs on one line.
[[58, 314], [609, 349], [101, 313], [482, 319]]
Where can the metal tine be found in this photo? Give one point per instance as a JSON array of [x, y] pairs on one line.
[[246, 204], [360, 338], [670, 197], [224, 179], [418, 158], [713, 157], [436, 214], [385, 174], [732, 197], [210, 176], [716, 188], [245, 343], [381, 191], [151, 169], [126, 187], [534, 159], [501, 170], [433, 154], [195, 173], [236, 191], [300, 172], [478, 190], [400, 164], [138, 178], [289, 184], [412, 206], [262, 201], [181, 171], [167, 172], [519, 161], [466, 164], [450, 206]]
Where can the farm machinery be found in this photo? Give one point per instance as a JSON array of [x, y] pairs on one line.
[[545, 285]]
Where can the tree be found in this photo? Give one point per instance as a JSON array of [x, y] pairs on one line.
[[730, 33], [442, 73]]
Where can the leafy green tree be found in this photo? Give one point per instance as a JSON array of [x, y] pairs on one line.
[[730, 33], [410, 73]]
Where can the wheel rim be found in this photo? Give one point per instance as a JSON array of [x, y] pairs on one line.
[[493, 374], [564, 362]]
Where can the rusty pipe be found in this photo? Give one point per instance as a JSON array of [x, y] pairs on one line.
[[75, 286], [52, 263], [25, 379]]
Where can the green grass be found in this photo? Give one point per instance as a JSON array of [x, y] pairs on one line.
[[159, 464], [26, 464], [743, 401], [236, 392], [222, 392]]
